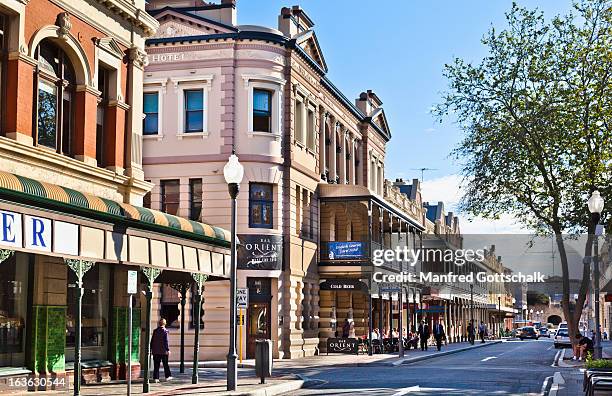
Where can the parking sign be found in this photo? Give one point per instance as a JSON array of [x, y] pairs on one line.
[[242, 298]]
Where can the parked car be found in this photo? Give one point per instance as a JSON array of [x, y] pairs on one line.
[[562, 339], [528, 332], [544, 332]]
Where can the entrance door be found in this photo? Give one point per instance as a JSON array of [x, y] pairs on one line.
[[258, 325]]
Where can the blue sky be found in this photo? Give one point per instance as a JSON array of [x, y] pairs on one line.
[[398, 49]]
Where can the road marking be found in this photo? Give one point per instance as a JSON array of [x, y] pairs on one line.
[[556, 359], [558, 378], [409, 389], [488, 358]]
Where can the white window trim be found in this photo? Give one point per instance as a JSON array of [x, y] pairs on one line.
[[181, 84], [156, 85], [274, 85]]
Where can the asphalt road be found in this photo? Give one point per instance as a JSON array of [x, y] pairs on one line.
[[509, 368]]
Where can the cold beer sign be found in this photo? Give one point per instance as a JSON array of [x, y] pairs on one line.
[[38, 233]]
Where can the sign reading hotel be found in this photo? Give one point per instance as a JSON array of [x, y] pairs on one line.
[[38, 233], [260, 252]]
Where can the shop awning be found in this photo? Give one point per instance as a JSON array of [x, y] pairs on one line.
[[50, 219]]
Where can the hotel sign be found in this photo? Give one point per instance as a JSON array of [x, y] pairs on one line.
[[38, 233], [260, 252]]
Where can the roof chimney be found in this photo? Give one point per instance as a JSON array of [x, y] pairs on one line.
[[293, 21]]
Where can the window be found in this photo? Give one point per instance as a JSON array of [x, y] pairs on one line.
[[151, 110], [169, 309], [170, 195], [103, 80], [94, 315], [194, 110], [299, 121], [4, 50], [310, 137], [195, 195], [260, 205], [56, 84], [262, 110], [13, 310]]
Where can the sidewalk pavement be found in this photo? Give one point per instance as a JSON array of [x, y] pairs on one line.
[[212, 382], [568, 382]]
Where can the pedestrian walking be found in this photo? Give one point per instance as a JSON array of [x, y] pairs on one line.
[[423, 335], [471, 332], [346, 328], [438, 333], [160, 350], [482, 332]]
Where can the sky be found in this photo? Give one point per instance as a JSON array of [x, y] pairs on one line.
[[398, 49]]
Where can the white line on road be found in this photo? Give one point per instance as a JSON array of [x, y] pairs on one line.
[[409, 389], [488, 358], [556, 359]]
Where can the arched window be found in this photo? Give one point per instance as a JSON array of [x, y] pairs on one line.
[[55, 79]]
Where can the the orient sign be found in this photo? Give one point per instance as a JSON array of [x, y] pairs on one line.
[[38, 233], [342, 345], [260, 252]]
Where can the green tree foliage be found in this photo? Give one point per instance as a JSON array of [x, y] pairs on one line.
[[537, 118]]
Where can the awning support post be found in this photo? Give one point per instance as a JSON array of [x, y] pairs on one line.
[[151, 274], [79, 267], [182, 288], [199, 283]]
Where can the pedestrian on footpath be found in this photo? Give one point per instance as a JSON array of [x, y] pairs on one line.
[[346, 328], [438, 332], [471, 332], [160, 350], [482, 332], [423, 334]]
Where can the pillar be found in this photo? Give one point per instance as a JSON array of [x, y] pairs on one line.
[[151, 274], [133, 147], [333, 153], [18, 100], [322, 142], [86, 103], [353, 172]]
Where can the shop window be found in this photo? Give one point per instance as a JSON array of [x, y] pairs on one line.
[[170, 196], [150, 124], [262, 110], [260, 205], [53, 103], [169, 310], [13, 310], [195, 199], [94, 318], [194, 110]]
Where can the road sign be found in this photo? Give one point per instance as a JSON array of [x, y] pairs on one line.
[[242, 298], [387, 287], [132, 284]]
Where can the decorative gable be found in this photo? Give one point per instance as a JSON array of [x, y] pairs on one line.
[[111, 46], [309, 43], [177, 23]]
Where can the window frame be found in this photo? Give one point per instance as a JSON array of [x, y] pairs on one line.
[[261, 202], [62, 87], [274, 85], [162, 198], [145, 114], [187, 112], [270, 95], [191, 196], [187, 83]]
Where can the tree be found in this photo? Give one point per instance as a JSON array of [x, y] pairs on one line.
[[537, 119], [537, 298]]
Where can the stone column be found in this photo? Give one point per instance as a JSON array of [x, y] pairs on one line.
[[133, 150], [322, 141], [333, 153], [343, 170], [352, 173]]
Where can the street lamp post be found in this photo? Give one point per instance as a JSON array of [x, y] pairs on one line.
[[596, 205], [233, 172], [500, 315]]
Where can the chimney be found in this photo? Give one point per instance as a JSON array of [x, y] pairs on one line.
[[228, 13], [293, 21]]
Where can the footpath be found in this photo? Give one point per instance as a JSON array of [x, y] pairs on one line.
[[212, 374]]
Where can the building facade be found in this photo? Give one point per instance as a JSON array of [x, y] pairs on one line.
[[72, 224], [314, 166]]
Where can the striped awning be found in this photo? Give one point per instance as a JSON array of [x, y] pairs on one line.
[[67, 196]]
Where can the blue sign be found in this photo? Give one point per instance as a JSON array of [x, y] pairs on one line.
[[345, 250]]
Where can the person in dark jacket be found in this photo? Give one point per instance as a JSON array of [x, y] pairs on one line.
[[471, 332], [439, 335], [423, 335], [160, 350]]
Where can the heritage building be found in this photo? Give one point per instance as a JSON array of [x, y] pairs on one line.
[[71, 192], [314, 180]]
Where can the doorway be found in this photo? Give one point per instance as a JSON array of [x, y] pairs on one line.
[[259, 313]]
